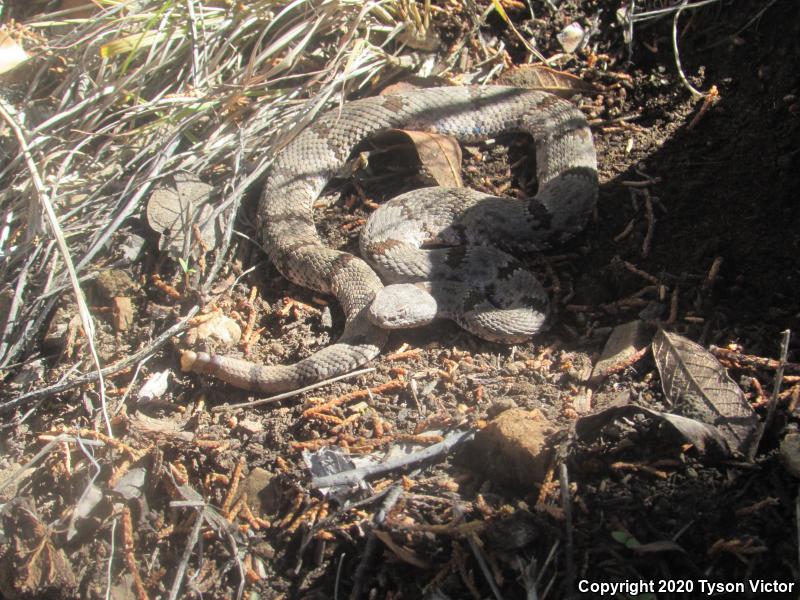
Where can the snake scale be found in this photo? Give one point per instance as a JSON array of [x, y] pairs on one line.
[[442, 249]]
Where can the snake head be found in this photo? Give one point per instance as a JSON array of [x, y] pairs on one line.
[[402, 306]]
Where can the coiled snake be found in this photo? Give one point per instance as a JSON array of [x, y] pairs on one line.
[[443, 249]]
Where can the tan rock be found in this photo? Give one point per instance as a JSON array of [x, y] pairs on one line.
[[515, 448], [625, 346], [122, 309], [112, 283], [219, 330]]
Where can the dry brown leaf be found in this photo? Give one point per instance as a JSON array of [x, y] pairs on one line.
[[36, 564], [700, 388], [540, 77], [439, 156]]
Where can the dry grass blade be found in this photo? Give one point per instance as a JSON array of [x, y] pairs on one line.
[[501, 11]]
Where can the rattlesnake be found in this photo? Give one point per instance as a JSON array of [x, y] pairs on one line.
[[501, 301]]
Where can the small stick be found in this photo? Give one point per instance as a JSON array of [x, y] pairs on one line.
[[637, 271], [710, 99], [392, 495], [673, 307], [694, 91], [713, 273], [634, 184], [402, 355], [773, 401], [234, 486], [566, 506], [191, 542], [474, 545], [110, 558], [625, 232], [607, 122], [740, 360], [651, 223]]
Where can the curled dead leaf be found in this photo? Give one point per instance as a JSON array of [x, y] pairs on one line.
[[175, 207], [439, 156], [700, 388]]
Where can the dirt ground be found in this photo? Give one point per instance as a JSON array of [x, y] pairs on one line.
[[723, 184]]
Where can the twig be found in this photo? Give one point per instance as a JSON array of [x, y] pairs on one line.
[[110, 370], [713, 273], [191, 542], [773, 401], [370, 470], [673, 306], [206, 514], [739, 360], [637, 271], [285, 395], [393, 494], [499, 8], [338, 576], [625, 232], [694, 91], [651, 224], [321, 409], [110, 559], [566, 506], [709, 100], [662, 12], [472, 540]]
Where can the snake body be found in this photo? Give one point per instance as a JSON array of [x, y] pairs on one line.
[[499, 300]]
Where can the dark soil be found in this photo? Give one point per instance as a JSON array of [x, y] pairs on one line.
[[724, 185]]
